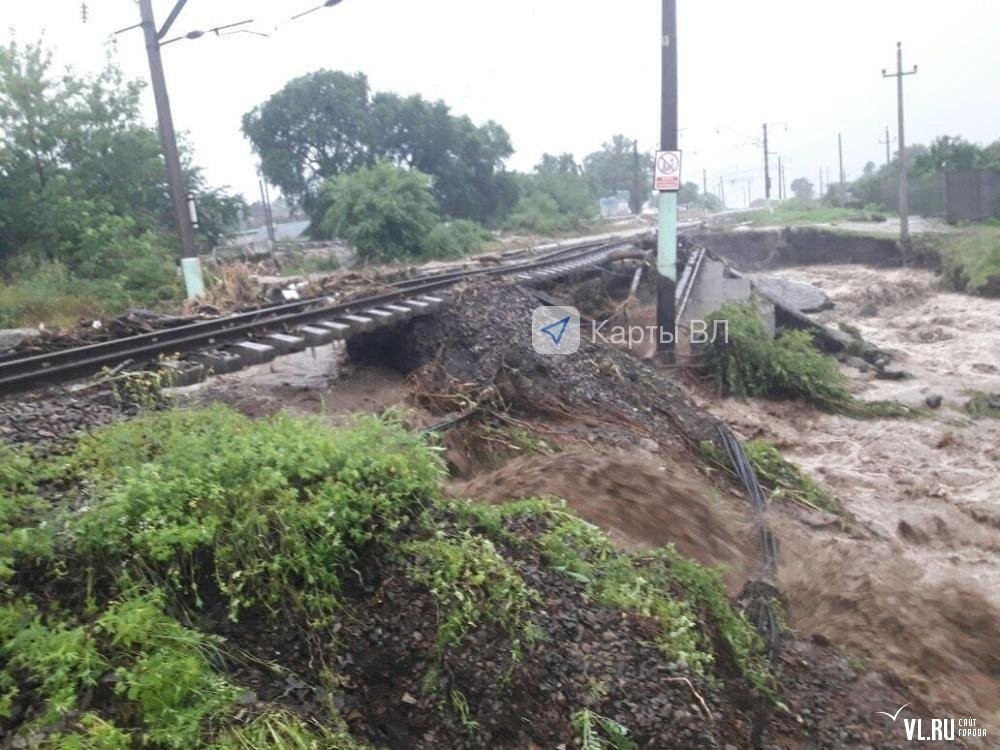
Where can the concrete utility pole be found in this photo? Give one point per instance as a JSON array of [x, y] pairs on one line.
[[722, 193], [781, 181], [821, 183], [767, 171], [887, 142], [666, 250], [636, 180], [843, 179], [704, 182], [265, 202], [904, 197], [190, 263]]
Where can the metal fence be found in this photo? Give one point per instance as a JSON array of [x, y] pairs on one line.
[[967, 195], [972, 194]]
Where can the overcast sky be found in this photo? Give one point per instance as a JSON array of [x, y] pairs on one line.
[[564, 75]]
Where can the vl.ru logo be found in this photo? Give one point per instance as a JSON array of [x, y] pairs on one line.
[[555, 330]]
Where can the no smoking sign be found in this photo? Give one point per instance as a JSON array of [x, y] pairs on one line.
[[667, 173]]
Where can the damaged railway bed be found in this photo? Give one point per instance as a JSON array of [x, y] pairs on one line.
[[417, 528]]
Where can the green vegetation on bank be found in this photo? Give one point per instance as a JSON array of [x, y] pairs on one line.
[[790, 366], [969, 258], [784, 479], [796, 212], [123, 562]]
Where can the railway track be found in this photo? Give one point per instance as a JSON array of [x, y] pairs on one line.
[[229, 343]]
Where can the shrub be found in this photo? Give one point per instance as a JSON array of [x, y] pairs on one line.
[[455, 239], [751, 363], [383, 211]]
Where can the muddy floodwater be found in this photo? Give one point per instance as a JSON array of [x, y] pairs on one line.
[[913, 580]]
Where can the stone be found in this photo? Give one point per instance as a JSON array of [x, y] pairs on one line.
[[933, 401], [868, 311], [795, 294], [11, 337]]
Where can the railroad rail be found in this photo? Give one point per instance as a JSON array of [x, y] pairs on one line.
[[229, 343]]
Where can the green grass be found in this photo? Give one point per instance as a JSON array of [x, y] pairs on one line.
[[106, 637], [970, 259], [796, 213], [781, 477], [978, 405]]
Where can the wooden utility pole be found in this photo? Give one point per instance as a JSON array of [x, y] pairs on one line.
[[190, 264], [666, 250], [904, 197]]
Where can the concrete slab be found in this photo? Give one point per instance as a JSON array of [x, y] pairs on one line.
[[795, 294]]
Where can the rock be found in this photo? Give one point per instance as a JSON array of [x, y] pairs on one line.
[[933, 401], [868, 311], [11, 337], [884, 373], [796, 294], [857, 363], [248, 698], [409, 699]]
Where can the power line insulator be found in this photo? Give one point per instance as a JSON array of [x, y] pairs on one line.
[[84, 12]]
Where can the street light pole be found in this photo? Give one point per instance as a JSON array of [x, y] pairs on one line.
[[190, 263], [666, 249]]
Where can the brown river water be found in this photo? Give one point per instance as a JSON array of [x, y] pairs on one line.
[[913, 583]]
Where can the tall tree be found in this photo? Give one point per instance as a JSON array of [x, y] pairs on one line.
[[613, 168], [802, 189], [328, 123]]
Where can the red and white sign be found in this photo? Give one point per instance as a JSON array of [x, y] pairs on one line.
[[667, 176]]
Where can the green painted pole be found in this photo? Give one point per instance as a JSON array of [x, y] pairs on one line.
[[666, 247]]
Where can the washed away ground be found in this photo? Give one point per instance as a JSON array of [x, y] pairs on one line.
[[617, 441]]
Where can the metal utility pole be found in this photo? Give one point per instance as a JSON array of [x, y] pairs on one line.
[[904, 208], [767, 170], [190, 263], [666, 249], [888, 143], [843, 180]]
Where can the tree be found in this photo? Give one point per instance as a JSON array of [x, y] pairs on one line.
[[384, 211], [688, 194], [947, 154], [328, 123], [613, 169], [82, 183], [802, 189], [555, 197]]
